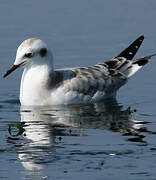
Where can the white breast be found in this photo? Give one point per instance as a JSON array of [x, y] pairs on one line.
[[33, 89]]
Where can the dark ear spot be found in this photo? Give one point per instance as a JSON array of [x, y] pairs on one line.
[[43, 52]]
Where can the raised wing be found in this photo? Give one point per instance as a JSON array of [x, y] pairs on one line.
[[131, 50]]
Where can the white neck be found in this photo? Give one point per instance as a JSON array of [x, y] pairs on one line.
[[33, 90]]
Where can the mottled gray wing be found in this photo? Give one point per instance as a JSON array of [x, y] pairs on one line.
[[105, 77], [88, 80]]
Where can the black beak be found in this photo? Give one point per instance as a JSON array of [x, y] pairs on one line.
[[12, 68]]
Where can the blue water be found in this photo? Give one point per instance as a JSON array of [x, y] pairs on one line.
[[100, 141]]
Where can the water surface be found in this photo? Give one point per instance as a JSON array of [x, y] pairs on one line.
[[111, 140]]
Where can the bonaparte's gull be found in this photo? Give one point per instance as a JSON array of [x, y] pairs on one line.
[[42, 85]]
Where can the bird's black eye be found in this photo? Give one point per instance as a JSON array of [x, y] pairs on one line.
[[28, 55], [43, 52]]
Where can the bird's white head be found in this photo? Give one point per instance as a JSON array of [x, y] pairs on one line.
[[31, 52]]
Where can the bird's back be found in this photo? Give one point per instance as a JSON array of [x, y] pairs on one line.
[[94, 83], [88, 84]]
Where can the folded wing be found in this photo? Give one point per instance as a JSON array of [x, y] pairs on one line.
[[103, 79]]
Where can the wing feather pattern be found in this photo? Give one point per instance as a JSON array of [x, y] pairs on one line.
[[103, 79]]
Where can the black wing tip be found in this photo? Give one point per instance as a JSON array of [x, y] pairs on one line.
[[144, 60], [141, 62], [132, 49], [142, 37]]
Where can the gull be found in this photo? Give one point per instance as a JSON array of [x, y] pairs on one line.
[[42, 85]]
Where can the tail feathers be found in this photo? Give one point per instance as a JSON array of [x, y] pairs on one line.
[[132, 49], [133, 67]]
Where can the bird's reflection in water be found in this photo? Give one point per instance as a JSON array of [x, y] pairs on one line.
[[43, 126]]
